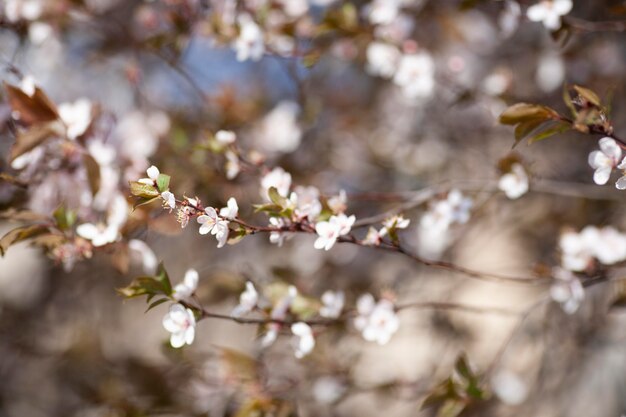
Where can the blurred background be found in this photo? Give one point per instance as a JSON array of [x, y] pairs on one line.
[[165, 77]]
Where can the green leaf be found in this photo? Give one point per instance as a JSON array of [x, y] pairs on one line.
[[524, 112], [267, 208], [164, 279], [64, 218], [588, 95], [156, 303], [93, 173], [551, 131], [143, 286], [276, 198], [146, 191], [525, 128], [163, 182], [20, 234]]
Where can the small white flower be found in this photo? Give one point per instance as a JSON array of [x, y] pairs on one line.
[[303, 341], [220, 231], [278, 238], [549, 12], [233, 167], [279, 312], [100, 234], [377, 322], [225, 137], [181, 323], [185, 289], [207, 220], [307, 202], [374, 237], [396, 222], [621, 183], [28, 85], [460, 205], [577, 249], [610, 247], [382, 59], [329, 231], [332, 304], [382, 12], [277, 178], [169, 200], [153, 174], [416, 75], [231, 210], [76, 117], [279, 130], [604, 160], [509, 388], [250, 43], [149, 259], [567, 290], [247, 301], [270, 335], [514, 183], [338, 203]]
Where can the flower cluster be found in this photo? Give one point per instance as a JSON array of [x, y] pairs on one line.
[[578, 250], [377, 321]]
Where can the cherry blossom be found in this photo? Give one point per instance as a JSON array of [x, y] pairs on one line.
[[169, 200], [383, 11], [279, 131], [277, 178], [153, 175], [16, 10], [332, 304], [208, 220], [76, 116], [98, 234], [247, 301], [549, 12], [249, 44], [338, 203], [185, 289], [509, 388], [181, 323], [307, 202], [514, 183], [567, 290], [382, 59], [233, 167], [278, 238], [578, 250], [374, 237], [221, 231], [225, 137], [415, 75], [396, 222], [329, 231], [621, 182], [377, 322], [231, 210], [303, 341], [604, 160], [147, 256]]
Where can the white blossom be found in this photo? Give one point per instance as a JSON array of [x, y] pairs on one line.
[[149, 259], [396, 222], [250, 43], [416, 75], [185, 289], [153, 174], [383, 11], [181, 323], [307, 202], [225, 137], [509, 388], [247, 301], [15, 10], [377, 322], [76, 116], [169, 200], [567, 290], [338, 203], [514, 183], [374, 237], [329, 231], [220, 231], [332, 304], [278, 238], [382, 59], [577, 249], [99, 234], [208, 220], [231, 210], [621, 182], [279, 131], [277, 178], [303, 341], [279, 312], [549, 12], [233, 167]]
